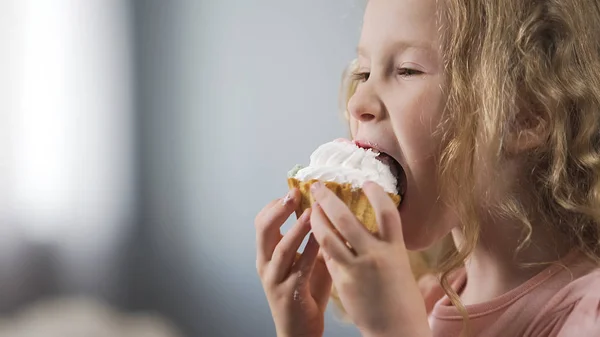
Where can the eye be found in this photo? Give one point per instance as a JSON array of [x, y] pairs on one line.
[[361, 76], [407, 72]]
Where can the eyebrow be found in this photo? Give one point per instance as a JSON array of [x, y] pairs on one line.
[[399, 45]]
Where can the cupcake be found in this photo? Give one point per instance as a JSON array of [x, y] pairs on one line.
[[344, 167]]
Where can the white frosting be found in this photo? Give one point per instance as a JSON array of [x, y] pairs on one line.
[[344, 162]]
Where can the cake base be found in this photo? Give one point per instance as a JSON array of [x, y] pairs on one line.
[[355, 199]]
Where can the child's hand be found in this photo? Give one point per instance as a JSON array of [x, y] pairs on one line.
[[374, 279], [297, 286], [432, 290]]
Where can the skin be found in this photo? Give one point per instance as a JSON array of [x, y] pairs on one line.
[[397, 106], [297, 289], [395, 109], [399, 103]]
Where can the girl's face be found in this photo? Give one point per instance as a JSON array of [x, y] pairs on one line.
[[399, 103]]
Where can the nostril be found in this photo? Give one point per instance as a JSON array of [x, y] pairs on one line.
[[366, 117]]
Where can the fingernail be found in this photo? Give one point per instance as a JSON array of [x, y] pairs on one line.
[[315, 187], [288, 198], [315, 205]]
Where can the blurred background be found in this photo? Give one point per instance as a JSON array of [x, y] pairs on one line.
[[138, 140]]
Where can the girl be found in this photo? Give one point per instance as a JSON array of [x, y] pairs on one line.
[[491, 107]]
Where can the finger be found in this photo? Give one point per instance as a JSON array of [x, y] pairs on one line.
[[306, 261], [330, 243], [332, 265], [265, 209], [267, 225], [386, 213], [285, 252], [311, 267], [310, 270], [431, 290], [342, 218], [320, 283]]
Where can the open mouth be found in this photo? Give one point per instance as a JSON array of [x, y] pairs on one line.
[[395, 167], [396, 170]]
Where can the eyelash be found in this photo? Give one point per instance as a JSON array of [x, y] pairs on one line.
[[405, 72]]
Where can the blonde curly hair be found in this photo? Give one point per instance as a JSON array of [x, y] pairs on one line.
[[506, 62]]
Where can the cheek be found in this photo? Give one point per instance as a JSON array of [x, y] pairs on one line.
[[426, 218], [353, 126], [416, 118]]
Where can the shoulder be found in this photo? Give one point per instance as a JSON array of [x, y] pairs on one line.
[[583, 318], [573, 310]]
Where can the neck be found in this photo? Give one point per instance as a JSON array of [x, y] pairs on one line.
[[493, 269]]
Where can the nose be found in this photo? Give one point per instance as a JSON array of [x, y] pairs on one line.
[[365, 105]]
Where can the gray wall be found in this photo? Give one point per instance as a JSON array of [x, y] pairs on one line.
[[231, 94], [66, 150]]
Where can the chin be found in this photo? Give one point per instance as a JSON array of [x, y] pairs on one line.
[[418, 243], [422, 232]]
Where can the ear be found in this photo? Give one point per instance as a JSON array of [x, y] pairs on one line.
[[529, 131]]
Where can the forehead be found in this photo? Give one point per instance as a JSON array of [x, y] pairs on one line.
[[399, 23]]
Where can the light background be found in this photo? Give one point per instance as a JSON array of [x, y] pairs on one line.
[[140, 138]]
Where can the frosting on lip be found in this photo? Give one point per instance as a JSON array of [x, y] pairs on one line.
[[345, 162]]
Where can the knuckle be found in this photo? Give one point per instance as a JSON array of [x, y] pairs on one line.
[[259, 223], [284, 298], [263, 225], [265, 216], [295, 231], [344, 220], [257, 219], [345, 283], [261, 230], [264, 210], [299, 276], [326, 242], [388, 215], [260, 268], [268, 279], [279, 254], [370, 263], [326, 197]]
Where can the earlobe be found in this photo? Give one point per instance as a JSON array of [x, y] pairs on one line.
[[531, 132]]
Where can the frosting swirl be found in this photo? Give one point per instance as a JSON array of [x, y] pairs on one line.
[[344, 162]]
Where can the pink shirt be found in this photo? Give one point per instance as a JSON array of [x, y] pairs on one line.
[[557, 302]]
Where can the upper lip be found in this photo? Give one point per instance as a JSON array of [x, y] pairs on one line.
[[366, 144]]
